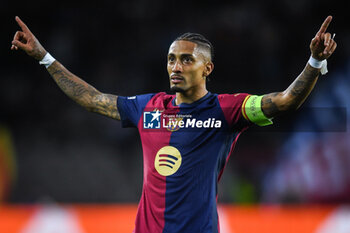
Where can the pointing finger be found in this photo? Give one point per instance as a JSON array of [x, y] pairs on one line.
[[324, 26], [22, 25]]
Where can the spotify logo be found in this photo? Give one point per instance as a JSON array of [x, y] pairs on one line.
[[168, 160]]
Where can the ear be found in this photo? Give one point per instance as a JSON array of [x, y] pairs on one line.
[[209, 67]]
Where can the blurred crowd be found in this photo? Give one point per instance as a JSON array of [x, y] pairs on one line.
[[61, 153]]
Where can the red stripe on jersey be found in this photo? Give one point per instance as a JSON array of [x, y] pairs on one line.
[[231, 105], [150, 215]]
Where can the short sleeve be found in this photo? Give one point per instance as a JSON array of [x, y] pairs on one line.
[[131, 108], [231, 105]]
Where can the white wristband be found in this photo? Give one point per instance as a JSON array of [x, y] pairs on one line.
[[47, 60], [319, 64]]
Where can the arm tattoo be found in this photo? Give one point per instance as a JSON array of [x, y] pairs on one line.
[[300, 89], [269, 108], [276, 103], [297, 88], [106, 104], [83, 93]]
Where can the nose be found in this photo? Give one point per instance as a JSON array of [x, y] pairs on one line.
[[177, 67]]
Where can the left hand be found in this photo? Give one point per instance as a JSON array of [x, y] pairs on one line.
[[322, 45]]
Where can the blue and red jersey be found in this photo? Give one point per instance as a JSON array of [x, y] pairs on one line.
[[185, 150]]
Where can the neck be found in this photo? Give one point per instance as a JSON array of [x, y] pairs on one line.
[[189, 97]]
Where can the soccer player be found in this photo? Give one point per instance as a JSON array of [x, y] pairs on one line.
[[188, 137]]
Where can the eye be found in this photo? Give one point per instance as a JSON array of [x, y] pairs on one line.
[[187, 60], [171, 59]]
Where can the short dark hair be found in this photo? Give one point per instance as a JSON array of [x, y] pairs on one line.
[[199, 40]]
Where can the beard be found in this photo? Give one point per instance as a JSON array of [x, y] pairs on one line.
[[177, 89]]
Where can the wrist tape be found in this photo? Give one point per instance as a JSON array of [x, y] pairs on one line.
[[47, 60], [319, 64]]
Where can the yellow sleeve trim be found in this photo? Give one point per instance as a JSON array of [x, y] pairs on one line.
[[243, 108], [251, 110]]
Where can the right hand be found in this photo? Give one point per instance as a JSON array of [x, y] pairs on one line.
[[26, 41], [323, 45]]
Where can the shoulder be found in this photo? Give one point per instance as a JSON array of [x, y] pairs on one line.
[[161, 97], [156, 100], [229, 99]]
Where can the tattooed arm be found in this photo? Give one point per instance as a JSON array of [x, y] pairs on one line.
[[83, 93], [77, 89], [280, 102], [322, 47]]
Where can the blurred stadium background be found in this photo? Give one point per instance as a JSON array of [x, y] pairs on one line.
[[63, 169]]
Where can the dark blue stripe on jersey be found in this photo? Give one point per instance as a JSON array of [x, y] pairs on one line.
[[134, 108], [191, 204]]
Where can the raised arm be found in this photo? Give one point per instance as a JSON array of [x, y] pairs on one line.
[[74, 87], [322, 47]]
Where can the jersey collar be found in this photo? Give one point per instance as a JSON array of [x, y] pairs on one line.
[[185, 105]]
